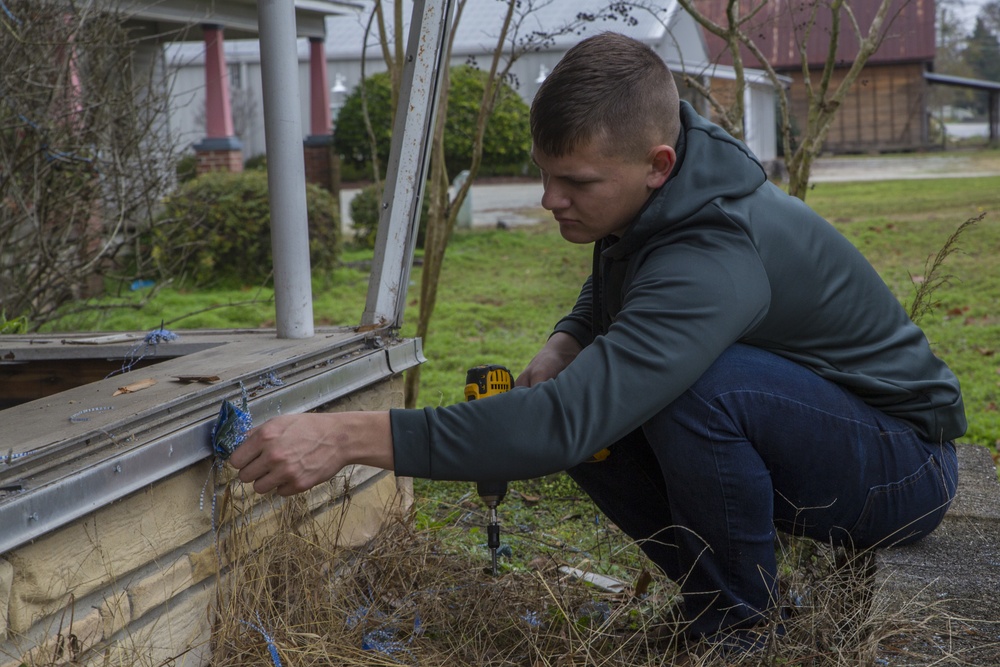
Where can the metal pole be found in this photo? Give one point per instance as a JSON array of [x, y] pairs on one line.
[[286, 174], [430, 22]]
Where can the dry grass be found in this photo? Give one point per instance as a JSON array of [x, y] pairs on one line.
[[289, 594], [408, 597]]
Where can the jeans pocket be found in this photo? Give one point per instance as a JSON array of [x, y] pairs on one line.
[[904, 511]]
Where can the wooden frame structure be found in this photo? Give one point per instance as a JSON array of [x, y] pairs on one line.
[[76, 450]]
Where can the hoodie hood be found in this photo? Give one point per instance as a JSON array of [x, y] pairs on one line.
[[698, 178]]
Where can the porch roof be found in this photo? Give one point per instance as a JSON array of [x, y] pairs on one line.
[[238, 17]]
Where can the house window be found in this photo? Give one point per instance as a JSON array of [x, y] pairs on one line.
[[235, 76]]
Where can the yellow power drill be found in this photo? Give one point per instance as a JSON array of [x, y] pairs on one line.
[[482, 382]]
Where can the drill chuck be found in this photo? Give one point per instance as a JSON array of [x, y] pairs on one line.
[[492, 493]]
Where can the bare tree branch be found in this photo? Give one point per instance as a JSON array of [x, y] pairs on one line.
[[823, 100], [83, 154]]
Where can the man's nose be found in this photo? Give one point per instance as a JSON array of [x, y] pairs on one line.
[[552, 198]]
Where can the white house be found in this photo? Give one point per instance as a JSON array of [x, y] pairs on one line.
[[670, 31]]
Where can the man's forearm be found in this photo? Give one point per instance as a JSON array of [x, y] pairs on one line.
[[292, 453]]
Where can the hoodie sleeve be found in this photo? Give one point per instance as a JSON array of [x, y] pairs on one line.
[[578, 322], [688, 301]]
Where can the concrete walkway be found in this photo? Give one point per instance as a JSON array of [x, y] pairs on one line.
[[877, 168], [948, 584], [492, 204], [519, 203]]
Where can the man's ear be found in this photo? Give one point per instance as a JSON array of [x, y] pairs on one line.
[[662, 159]]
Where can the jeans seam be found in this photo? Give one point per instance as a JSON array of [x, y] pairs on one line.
[[903, 429], [732, 559], [930, 466]]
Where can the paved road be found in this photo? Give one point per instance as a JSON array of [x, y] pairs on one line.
[[518, 203], [896, 168]]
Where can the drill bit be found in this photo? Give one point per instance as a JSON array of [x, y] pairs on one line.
[[493, 538], [491, 494]]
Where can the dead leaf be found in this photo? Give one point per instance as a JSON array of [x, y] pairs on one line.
[[539, 563], [135, 386], [642, 583], [206, 379], [224, 505], [371, 327], [530, 499]]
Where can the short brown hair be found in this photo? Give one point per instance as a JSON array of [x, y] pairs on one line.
[[608, 87]]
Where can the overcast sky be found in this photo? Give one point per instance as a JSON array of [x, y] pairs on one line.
[[968, 11]]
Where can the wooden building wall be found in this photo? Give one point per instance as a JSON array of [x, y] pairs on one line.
[[135, 583], [883, 112], [119, 535]]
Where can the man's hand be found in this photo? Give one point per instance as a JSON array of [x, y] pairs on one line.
[[555, 355], [293, 453]]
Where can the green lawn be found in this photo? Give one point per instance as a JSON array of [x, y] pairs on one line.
[[501, 291], [898, 225]]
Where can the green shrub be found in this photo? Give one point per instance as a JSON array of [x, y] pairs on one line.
[[365, 209], [14, 325], [186, 167], [256, 162], [350, 136], [352, 172], [506, 143], [216, 229]]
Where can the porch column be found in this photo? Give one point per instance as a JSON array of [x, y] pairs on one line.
[[74, 89], [89, 228], [221, 149], [319, 143], [279, 77]]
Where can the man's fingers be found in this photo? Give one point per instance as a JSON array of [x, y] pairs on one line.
[[265, 484], [250, 473], [290, 454], [248, 450]]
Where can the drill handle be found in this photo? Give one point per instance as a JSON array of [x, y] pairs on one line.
[[489, 490]]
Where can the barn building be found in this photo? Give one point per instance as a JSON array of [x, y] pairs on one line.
[[887, 108]]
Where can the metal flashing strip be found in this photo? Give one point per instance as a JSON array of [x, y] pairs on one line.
[[72, 488], [409, 157]]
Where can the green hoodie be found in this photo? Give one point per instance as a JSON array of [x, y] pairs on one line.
[[718, 255]]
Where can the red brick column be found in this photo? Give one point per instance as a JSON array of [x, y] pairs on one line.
[[221, 150], [318, 146], [222, 158], [319, 89], [319, 161]]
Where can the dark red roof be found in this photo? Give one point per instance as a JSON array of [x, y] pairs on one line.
[[777, 29]]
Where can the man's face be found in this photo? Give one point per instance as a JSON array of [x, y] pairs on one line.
[[593, 193]]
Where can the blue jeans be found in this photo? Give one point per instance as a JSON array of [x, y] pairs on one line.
[[760, 442]]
